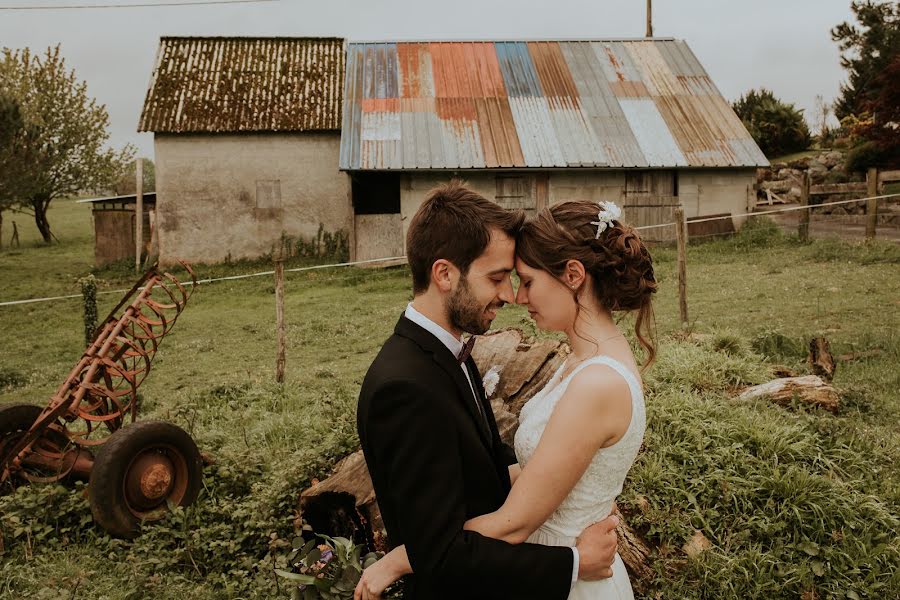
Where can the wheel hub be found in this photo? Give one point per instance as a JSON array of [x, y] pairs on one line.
[[150, 480]]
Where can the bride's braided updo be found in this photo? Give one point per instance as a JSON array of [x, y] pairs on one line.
[[618, 261]]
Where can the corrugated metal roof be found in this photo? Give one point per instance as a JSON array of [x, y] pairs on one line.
[[538, 104], [245, 84]]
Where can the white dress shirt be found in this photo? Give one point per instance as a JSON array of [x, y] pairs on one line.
[[455, 345]]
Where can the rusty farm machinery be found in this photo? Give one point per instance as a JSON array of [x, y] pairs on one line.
[[89, 429]]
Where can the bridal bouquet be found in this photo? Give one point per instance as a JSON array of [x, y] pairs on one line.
[[330, 570]]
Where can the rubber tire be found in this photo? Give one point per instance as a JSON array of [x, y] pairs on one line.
[[15, 418], [106, 487]]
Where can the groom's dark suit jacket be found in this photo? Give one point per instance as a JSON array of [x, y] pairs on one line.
[[434, 464]]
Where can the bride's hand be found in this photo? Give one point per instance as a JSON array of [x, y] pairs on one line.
[[375, 580]]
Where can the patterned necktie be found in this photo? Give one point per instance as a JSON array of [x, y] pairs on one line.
[[466, 350]]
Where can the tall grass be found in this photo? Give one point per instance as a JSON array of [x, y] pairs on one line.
[[796, 502]]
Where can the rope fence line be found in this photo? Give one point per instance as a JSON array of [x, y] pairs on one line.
[[769, 212], [213, 279], [393, 258]]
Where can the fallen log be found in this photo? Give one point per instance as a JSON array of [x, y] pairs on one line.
[[858, 355], [633, 550], [809, 389], [526, 366]]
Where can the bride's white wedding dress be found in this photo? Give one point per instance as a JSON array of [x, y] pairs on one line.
[[592, 498]]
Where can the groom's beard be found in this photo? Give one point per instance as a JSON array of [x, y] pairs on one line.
[[465, 312]]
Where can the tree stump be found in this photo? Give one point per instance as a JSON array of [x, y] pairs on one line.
[[820, 358], [809, 389]]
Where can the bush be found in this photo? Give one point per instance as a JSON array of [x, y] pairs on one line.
[[836, 176], [871, 154], [778, 127]]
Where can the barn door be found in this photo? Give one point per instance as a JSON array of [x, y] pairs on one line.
[[650, 199]]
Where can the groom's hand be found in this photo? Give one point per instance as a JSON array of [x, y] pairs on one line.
[[597, 549]]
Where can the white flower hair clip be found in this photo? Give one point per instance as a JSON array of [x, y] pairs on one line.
[[609, 212]]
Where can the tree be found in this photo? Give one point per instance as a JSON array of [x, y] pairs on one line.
[[881, 131], [778, 127], [17, 150], [866, 51], [71, 131], [126, 182]]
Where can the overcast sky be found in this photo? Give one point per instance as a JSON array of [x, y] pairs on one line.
[[783, 45]]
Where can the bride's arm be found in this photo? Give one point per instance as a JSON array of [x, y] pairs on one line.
[[514, 472], [594, 411]]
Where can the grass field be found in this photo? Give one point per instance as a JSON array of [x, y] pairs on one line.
[[796, 502]]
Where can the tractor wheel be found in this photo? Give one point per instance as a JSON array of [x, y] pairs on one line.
[[139, 471], [15, 419]]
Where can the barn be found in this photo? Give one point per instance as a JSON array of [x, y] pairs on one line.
[[246, 142], [532, 123], [318, 145]]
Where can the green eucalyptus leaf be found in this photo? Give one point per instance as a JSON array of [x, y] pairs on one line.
[[314, 555], [299, 578]]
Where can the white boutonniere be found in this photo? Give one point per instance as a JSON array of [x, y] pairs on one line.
[[491, 379]]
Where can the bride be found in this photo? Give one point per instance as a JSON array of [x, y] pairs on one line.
[[580, 434]]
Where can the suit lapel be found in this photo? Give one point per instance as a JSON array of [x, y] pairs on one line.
[[445, 359], [483, 399]]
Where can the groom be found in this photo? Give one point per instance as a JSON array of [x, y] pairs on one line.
[[428, 433]]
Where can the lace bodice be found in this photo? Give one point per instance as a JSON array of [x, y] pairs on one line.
[[592, 497]]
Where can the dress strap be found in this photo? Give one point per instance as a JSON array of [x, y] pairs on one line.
[[633, 384]]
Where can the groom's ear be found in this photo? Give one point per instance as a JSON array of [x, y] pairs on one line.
[[443, 274]]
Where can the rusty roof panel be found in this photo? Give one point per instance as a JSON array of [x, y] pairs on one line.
[[601, 106], [219, 85], [542, 104]]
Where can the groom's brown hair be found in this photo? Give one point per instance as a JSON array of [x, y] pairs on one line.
[[454, 223]]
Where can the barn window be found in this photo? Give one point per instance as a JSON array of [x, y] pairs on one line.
[[376, 193], [268, 193], [515, 192], [651, 184]]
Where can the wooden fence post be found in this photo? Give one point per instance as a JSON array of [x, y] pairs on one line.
[[138, 213], [89, 298], [681, 239], [871, 203], [803, 222], [279, 319]]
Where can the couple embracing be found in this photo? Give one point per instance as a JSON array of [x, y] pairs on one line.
[[468, 516]]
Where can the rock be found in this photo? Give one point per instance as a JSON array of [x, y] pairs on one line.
[[696, 545], [839, 211], [817, 176], [793, 194], [779, 186], [799, 163], [816, 165], [778, 166], [829, 160]]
